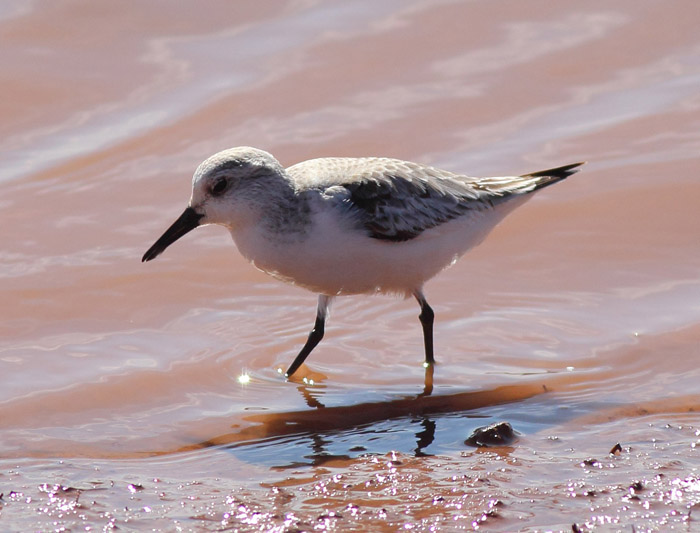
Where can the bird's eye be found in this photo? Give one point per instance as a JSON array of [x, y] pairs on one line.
[[219, 186]]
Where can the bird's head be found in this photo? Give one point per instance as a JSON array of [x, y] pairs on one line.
[[225, 190]]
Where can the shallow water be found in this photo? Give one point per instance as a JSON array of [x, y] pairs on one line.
[[577, 321]]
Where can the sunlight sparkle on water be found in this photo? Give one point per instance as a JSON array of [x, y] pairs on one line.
[[244, 378]]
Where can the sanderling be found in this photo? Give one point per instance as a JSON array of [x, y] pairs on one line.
[[350, 225]]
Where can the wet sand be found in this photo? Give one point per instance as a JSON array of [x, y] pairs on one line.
[[577, 321]]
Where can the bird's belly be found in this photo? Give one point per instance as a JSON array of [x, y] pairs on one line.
[[339, 260]]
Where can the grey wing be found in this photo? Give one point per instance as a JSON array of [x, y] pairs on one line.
[[398, 200], [396, 209]]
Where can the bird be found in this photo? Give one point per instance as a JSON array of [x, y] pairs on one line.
[[344, 226]]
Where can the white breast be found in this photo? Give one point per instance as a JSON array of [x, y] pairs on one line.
[[335, 257]]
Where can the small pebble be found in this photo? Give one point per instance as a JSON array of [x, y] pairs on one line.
[[498, 434]]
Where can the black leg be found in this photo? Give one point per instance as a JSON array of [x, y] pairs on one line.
[[314, 337], [427, 317]]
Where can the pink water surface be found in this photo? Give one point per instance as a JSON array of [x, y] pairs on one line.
[[577, 321]]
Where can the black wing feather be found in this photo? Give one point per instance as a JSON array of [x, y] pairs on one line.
[[397, 209]]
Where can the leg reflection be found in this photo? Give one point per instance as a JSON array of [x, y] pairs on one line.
[[310, 396], [428, 387], [426, 437]]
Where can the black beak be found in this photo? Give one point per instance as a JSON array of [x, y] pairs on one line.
[[188, 220]]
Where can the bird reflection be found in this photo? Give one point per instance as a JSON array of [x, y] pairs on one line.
[[311, 390], [358, 428]]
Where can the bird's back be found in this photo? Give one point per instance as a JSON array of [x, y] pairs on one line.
[[398, 200], [344, 171], [350, 171]]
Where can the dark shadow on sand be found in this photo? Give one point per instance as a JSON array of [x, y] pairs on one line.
[[319, 422]]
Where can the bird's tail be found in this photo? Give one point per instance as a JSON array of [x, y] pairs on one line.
[[543, 178], [508, 188]]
